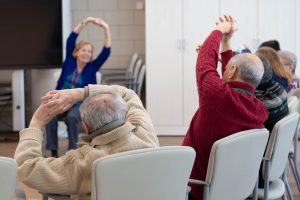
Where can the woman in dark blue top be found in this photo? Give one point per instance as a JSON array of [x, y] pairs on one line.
[[79, 69]]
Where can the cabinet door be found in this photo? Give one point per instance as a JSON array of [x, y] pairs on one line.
[[277, 20], [199, 17], [297, 36], [164, 61], [245, 13]]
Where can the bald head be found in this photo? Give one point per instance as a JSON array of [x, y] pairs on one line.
[[244, 67], [101, 109]]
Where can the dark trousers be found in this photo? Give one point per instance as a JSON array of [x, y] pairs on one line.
[[71, 118]]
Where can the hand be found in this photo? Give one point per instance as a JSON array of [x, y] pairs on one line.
[[226, 26], [228, 36], [83, 24], [100, 22], [54, 103], [65, 98], [88, 20], [40, 118], [198, 48], [45, 112]]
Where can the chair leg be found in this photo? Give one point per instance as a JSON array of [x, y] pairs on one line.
[[266, 178], [205, 192], [284, 197], [295, 170], [255, 191], [287, 186]]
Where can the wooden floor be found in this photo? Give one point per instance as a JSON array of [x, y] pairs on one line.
[[8, 146]]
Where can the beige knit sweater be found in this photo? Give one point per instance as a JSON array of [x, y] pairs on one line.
[[71, 173]]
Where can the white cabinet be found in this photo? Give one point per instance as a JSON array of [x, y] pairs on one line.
[[163, 59], [297, 7], [174, 28], [198, 18], [277, 20]]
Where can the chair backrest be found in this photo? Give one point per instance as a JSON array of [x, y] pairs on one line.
[[140, 79], [8, 175], [293, 104], [279, 145], [137, 69], [234, 163], [296, 93], [152, 173], [132, 63]]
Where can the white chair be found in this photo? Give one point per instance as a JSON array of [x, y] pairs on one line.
[[233, 165], [8, 175], [149, 174], [276, 157], [293, 104]]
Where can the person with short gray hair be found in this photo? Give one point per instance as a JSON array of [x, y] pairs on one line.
[[289, 60], [101, 109], [227, 105], [247, 70], [114, 120]]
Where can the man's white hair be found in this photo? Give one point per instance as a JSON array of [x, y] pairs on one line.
[[101, 109], [248, 70]]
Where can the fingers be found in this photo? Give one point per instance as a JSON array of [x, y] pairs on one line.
[[198, 48], [56, 107], [52, 95]]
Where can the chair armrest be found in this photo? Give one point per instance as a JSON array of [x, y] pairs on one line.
[[205, 187], [197, 182], [266, 159]]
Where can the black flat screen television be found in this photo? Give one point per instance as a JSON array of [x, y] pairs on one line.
[[30, 34]]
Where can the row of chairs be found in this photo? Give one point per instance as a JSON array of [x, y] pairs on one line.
[[163, 173], [132, 77], [234, 163]]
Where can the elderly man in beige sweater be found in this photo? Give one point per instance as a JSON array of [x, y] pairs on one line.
[[114, 120]]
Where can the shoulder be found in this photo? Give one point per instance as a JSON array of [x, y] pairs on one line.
[[84, 154]]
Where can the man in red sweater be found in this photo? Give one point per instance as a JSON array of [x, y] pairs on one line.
[[225, 106]]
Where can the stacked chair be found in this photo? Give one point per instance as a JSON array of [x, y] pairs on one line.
[[132, 77]]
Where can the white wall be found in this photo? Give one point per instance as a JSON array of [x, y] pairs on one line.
[[127, 24]]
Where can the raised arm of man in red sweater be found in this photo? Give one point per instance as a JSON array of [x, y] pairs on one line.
[[226, 105]]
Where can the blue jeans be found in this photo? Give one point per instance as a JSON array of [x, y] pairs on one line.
[[71, 118]]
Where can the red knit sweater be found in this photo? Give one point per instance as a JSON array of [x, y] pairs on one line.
[[222, 111]]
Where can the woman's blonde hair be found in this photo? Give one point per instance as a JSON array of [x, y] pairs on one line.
[[81, 44], [274, 59]]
